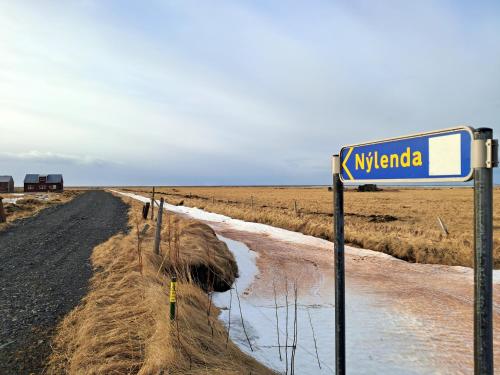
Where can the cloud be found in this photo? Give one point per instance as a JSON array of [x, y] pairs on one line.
[[50, 158], [238, 92]]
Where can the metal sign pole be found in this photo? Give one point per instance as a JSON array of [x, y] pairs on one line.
[[483, 255], [449, 155], [338, 237]]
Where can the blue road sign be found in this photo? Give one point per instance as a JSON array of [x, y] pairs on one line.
[[440, 156]]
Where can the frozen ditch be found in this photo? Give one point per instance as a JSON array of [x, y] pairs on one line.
[[376, 343], [401, 317]]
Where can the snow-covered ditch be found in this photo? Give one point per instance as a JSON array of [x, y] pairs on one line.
[[380, 344]]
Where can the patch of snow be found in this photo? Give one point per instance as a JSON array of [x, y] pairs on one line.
[[247, 264], [496, 276], [16, 196]]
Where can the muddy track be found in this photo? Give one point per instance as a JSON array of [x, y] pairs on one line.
[[44, 272]]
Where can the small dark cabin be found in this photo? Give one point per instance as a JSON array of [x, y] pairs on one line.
[[6, 184], [43, 183]]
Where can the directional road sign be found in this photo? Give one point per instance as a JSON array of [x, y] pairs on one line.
[[439, 156]]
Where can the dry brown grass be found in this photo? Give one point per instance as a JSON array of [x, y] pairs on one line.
[[400, 222], [195, 254], [122, 325], [32, 203]]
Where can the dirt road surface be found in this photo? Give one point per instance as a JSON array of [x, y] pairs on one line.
[[44, 271]]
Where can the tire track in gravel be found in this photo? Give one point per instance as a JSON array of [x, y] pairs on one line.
[[44, 271]]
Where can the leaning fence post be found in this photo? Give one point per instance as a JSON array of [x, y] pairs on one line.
[[443, 227], [158, 228], [3, 218], [153, 204]]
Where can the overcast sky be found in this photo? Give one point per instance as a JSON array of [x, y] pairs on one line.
[[233, 92]]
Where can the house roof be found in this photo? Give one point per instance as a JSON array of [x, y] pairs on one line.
[[5, 178], [51, 178], [54, 178], [31, 179]]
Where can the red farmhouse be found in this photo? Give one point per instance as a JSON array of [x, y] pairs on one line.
[[42, 182], [6, 184]]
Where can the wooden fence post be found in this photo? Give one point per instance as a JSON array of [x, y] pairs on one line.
[[443, 227], [295, 207], [145, 210], [252, 201], [153, 204], [158, 228], [3, 218]]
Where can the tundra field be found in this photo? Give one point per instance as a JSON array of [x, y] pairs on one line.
[[402, 222]]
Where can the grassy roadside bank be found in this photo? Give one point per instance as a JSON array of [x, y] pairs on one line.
[[400, 222], [122, 325]]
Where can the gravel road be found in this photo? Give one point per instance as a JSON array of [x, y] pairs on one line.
[[44, 271]]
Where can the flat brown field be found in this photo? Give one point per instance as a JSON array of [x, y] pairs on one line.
[[401, 222]]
